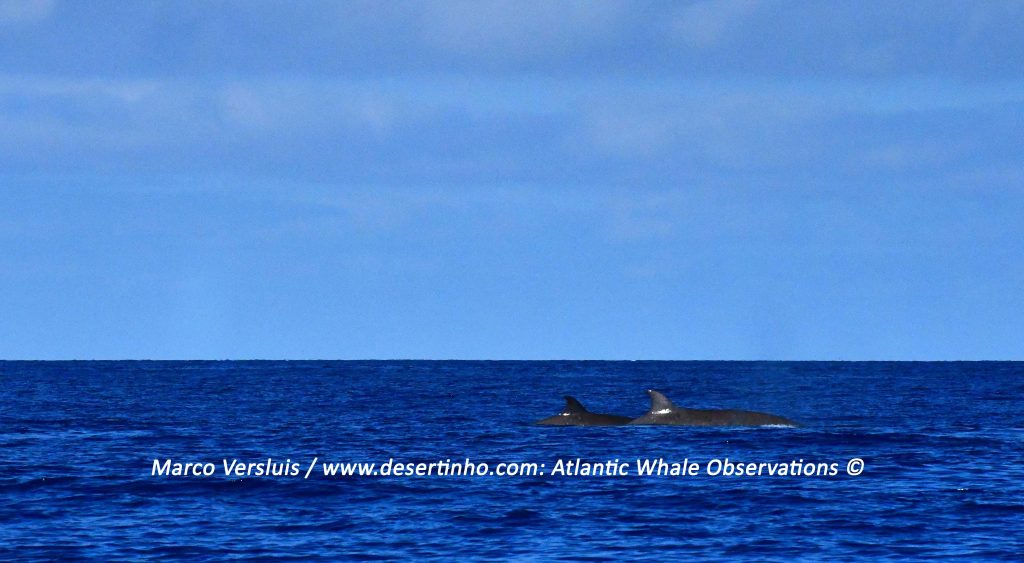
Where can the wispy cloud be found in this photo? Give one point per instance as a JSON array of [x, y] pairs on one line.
[[709, 22], [708, 39], [454, 130], [24, 11], [519, 30]]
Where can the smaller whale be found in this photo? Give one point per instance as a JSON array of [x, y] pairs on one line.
[[575, 414], [663, 411]]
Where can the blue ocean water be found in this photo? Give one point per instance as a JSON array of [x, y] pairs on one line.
[[942, 443]]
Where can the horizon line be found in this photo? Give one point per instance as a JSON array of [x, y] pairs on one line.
[[55, 360]]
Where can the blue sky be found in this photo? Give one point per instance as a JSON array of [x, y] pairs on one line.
[[512, 180]]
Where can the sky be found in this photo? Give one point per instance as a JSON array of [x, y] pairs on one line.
[[733, 179]]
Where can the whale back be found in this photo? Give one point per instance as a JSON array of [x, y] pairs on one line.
[[575, 414], [664, 411]]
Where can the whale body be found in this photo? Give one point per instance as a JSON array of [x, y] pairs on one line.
[[663, 411], [575, 414]]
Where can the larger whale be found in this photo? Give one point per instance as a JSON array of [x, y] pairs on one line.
[[575, 414], [663, 411]]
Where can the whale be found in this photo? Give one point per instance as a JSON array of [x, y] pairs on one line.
[[575, 414], [663, 411]]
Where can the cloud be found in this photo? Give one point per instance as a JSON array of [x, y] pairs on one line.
[[920, 154], [450, 130], [285, 104], [835, 40], [735, 127], [519, 29], [709, 22], [24, 11]]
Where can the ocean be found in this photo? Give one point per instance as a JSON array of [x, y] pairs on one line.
[[84, 470]]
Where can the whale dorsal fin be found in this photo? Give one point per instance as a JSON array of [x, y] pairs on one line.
[[660, 403], [572, 406]]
